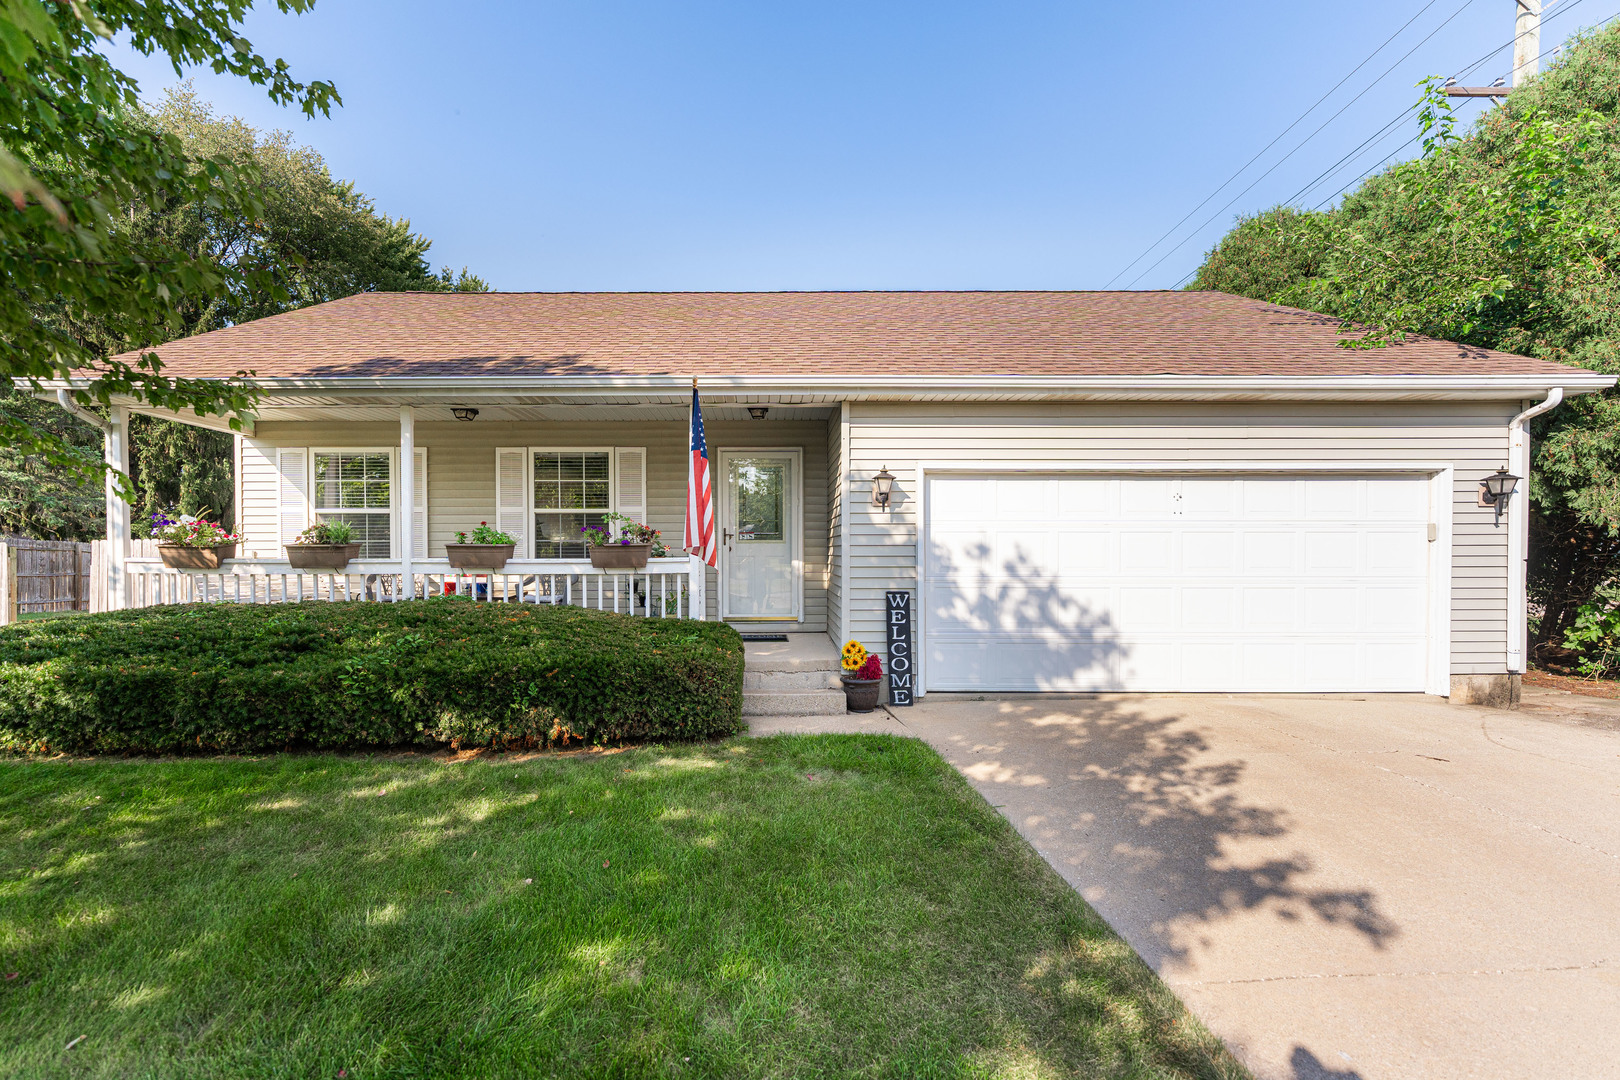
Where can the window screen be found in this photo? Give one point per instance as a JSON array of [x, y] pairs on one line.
[[572, 491], [355, 487]]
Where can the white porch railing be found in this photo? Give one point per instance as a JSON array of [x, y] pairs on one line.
[[667, 588]]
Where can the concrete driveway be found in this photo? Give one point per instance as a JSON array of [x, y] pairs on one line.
[[1340, 887]]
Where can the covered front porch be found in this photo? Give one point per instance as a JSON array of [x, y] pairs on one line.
[[409, 469]]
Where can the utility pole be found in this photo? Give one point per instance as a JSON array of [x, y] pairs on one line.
[[1526, 50], [1526, 40]]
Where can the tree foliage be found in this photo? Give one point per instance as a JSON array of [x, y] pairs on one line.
[[128, 227], [1504, 237], [74, 150]]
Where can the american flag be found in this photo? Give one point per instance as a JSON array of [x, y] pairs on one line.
[[700, 493]]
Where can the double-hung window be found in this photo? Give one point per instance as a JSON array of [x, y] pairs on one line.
[[356, 486], [573, 491], [546, 496]]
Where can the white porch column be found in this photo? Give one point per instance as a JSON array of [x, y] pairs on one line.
[[115, 452], [407, 499]]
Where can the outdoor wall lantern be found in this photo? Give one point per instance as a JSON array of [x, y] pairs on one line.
[[758, 411], [1496, 489], [465, 414], [882, 488]]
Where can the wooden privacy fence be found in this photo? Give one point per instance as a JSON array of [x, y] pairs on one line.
[[43, 576]]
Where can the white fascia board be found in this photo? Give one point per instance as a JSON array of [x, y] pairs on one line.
[[514, 389]]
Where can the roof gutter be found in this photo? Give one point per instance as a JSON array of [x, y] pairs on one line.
[[879, 388], [64, 398], [1519, 529]]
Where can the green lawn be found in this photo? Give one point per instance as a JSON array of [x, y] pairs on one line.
[[796, 906]]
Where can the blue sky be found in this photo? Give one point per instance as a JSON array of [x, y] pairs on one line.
[[621, 144]]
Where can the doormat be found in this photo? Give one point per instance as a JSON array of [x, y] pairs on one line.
[[765, 637]]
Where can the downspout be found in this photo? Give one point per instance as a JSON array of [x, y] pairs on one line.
[[64, 398], [1519, 530]]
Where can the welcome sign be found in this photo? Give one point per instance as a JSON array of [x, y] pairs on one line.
[[901, 668]]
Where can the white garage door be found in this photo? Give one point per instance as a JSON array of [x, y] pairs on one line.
[[1221, 583]]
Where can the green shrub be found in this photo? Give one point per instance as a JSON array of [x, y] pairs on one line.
[[231, 677]]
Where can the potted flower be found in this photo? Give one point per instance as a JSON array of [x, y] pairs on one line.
[[326, 546], [627, 547], [485, 549], [863, 678], [192, 543]]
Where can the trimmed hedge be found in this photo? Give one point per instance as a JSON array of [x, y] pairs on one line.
[[241, 677]]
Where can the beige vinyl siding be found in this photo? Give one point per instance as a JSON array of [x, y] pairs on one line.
[[1471, 436], [258, 506], [461, 475]]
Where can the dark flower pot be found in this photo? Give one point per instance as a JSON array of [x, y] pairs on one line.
[[861, 695], [321, 556], [620, 556], [478, 556], [181, 557]]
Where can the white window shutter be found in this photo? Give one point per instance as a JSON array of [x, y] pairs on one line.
[[292, 466], [630, 483], [419, 516], [512, 496]]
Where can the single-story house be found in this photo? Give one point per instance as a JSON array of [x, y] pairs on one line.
[[1158, 491]]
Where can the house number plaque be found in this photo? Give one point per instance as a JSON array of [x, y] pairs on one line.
[[901, 668]]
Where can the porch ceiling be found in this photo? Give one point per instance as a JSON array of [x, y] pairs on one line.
[[280, 410]]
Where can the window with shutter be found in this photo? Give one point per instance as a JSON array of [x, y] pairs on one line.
[[512, 495], [630, 482], [292, 467], [356, 486], [419, 515]]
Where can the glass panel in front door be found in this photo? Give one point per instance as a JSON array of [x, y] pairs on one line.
[[758, 538]]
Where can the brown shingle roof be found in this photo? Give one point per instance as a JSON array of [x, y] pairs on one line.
[[865, 335]]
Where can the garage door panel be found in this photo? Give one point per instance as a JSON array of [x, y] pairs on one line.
[[1279, 500], [1268, 554], [1143, 609], [1332, 552], [1281, 583], [1209, 498], [1146, 499], [1209, 552], [1392, 499], [1088, 500], [1270, 610], [1142, 552], [1083, 553], [1394, 551], [1209, 608]]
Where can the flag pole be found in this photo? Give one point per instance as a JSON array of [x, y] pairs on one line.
[[697, 605]]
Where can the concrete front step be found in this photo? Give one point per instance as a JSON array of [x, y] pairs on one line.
[[790, 680], [793, 703]]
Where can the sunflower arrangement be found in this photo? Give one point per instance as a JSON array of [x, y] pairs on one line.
[[854, 655]]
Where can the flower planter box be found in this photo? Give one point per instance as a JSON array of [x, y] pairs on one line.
[[861, 695], [620, 556], [478, 556], [180, 557], [321, 556]]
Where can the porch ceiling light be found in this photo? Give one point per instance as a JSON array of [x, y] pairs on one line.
[[758, 412], [465, 414], [882, 488], [1496, 489]]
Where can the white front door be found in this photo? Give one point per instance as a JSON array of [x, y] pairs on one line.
[[759, 539], [1198, 583]]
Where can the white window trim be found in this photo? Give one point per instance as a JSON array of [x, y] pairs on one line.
[[393, 487], [528, 488]]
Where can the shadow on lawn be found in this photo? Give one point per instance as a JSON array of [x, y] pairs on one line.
[[1151, 824]]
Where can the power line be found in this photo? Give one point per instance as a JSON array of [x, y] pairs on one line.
[[1272, 143], [1301, 144], [1556, 48]]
